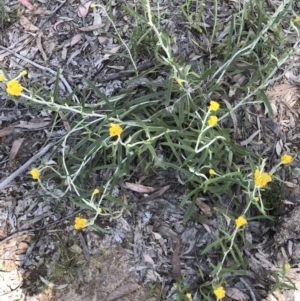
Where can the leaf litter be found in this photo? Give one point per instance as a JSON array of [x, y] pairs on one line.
[[157, 246]]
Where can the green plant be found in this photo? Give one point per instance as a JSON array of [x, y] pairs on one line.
[[179, 117], [273, 197], [282, 280], [70, 259], [8, 13]]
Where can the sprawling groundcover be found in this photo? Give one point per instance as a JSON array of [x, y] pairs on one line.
[[185, 122]]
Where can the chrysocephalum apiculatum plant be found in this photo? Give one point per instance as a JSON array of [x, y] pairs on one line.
[[179, 118]]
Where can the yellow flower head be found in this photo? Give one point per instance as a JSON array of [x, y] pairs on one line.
[[212, 121], [24, 72], [35, 173], [92, 5], [211, 171], [297, 19], [286, 266], [240, 221], [220, 292], [214, 106], [13, 87], [256, 199], [261, 179], [286, 159], [99, 210], [1, 77], [189, 296], [80, 223], [115, 130], [96, 191], [179, 81]]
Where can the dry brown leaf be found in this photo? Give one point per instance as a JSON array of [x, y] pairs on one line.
[[281, 89], [32, 125], [154, 195], [22, 247], [75, 39], [291, 185], [116, 67], [287, 202], [131, 4], [41, 11], [15, 148], [57, 23], [7, 131], [278, 148], [169, 233], [84, 9], [247, 141], [65, 122], [161, 241], [103, 40], [148, 259], [139, 188], [236, 294], [107, 24], [204, 207], [64, 52], [232, 91], [123, 290], [27, 4], [40, 47], [274, 109], [92, 27], [113, 50], [27, 24]]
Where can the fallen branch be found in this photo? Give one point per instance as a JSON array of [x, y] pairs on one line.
[[25, 166]]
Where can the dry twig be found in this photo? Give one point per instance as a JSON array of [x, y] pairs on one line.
[[25, 166]]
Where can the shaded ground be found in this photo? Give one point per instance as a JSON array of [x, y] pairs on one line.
[[151, 246]]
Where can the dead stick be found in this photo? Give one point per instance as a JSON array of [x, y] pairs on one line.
[[43, 151]]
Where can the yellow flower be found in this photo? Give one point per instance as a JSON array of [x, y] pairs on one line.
[[256, 199], [99, 210], [92, 5], [211, 171], [212, 121], [13, 87], [214, 106], [261, 179], [24, 72], [286, 266], [35, 173], [80, 223], [96, 191], [286, 159], [297, 19], [115, 130], [1, 77], [220, 292], [189, 296], [179, 81], [240, 221]]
